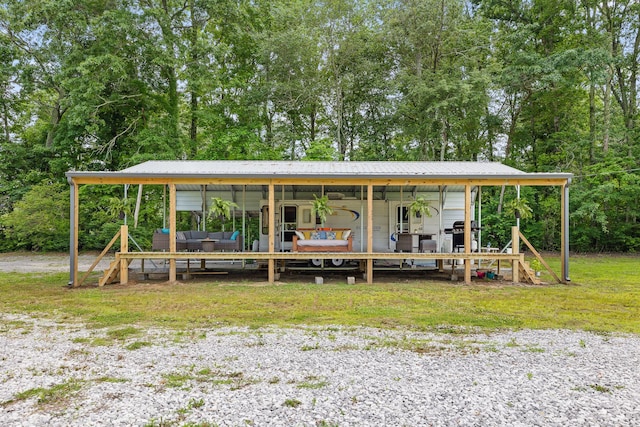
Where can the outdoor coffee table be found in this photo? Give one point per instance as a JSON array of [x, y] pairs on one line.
[[208, 245]]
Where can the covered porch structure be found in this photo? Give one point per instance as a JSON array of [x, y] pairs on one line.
[[372, 192]]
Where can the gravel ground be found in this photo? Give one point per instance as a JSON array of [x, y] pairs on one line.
[[56, 373], [25, 262]]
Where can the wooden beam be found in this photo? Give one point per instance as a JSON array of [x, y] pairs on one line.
[[208, 180], [272, 232], [539, 257], [172, 231], [102, 254], [370, 232], [124, 248], [321, 255], [515, 249]]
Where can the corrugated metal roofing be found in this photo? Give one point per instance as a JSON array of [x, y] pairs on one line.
[[261, 169], [296, 168]]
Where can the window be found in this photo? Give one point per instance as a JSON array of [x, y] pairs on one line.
[[265, 220], [402, 219]]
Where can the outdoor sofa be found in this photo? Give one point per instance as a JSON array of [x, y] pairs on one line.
[[322, 240], [191, 240]]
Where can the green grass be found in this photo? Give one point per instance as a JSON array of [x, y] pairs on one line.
[[604, 296]]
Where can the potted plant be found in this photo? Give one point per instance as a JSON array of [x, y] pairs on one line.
[[536, 265], [420, 207], [221, 209], [519, 208], [320, 208], [119, 208]]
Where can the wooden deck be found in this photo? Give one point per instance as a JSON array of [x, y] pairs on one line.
[[119, 268], [366, 259]]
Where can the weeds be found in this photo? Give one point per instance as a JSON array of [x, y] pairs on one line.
[[138, 345], [111, 380], [600, 388], [310, 347], [180, 380], [292, 403], [123, 333], [313, 382], [55, 395]]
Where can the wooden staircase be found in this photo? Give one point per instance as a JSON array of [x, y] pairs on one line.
[[112, 273], [528, 274]]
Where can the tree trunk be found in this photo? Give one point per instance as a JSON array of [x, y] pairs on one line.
[[500, 200], [193, 128], [55, 119], [592, 120], [445, 139], [606, 105], [5, 121]]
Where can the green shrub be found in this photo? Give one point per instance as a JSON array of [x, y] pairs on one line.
[[40, 220]]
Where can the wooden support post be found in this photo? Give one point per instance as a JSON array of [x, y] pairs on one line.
[[515, 248], [272, 233], [124, 248], [370, 232], [467, 233], [172, 232]]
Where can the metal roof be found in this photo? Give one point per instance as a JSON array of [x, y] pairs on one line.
[[320, 169]]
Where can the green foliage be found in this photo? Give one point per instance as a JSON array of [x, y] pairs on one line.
[[320, 208], [321, 150], [519, 208], [606, 208], [56, 394], [420, 207], [221, 209], [40, 220], [100, 214], [544, 86]]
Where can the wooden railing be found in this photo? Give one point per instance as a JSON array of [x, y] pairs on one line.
[[104, 252], [539, 257]]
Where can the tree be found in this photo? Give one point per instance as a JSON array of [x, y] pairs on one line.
[[40, 220], [442, 51]]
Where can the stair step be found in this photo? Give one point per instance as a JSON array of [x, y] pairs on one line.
[[529, 274], [111, 273]]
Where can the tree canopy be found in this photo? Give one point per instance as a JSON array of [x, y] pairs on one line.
[[543, 85]]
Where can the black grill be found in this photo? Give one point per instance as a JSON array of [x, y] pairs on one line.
[[458, 227], [458, 232]]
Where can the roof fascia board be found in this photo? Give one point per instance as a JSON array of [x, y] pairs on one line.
[[542, 179]]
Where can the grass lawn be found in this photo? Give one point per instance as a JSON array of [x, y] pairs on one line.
[[604, 296]]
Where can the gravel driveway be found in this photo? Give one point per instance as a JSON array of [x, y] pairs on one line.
[[63, 374], [25, 262], [56, 373]]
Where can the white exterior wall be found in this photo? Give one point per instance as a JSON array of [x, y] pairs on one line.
[[349, 213]]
